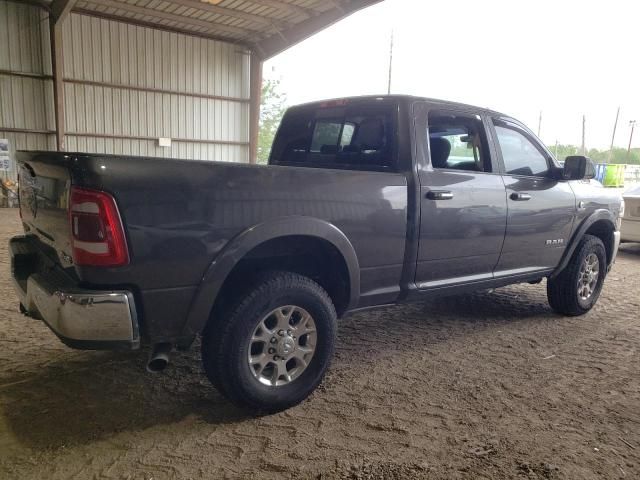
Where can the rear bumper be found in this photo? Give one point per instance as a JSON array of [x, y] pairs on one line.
[[81, 318]]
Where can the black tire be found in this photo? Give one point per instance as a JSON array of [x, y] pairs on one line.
[[227, 339], [562, 291]]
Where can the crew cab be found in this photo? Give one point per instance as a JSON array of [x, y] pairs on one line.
[[365, 202]]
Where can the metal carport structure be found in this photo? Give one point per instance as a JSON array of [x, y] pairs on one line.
[[88, 55]]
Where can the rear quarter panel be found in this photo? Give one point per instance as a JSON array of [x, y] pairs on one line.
[[180, 214]]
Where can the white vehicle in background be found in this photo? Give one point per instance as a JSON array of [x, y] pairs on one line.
[[630, 229]]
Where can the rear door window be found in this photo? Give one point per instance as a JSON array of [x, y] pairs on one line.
[[351, 137], [458, 142]]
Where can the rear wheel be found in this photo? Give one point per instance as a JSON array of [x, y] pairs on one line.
[[271, 350], [577, 288]]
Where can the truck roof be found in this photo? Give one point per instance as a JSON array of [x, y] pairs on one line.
[[393, 98]]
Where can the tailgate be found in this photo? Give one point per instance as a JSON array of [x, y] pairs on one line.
[[44, 187]]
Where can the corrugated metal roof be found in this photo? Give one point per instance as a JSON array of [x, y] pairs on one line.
[[265, 26]]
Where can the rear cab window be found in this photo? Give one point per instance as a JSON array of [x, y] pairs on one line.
[[352, 137]]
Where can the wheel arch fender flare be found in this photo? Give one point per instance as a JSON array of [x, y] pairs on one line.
[[596, 216], [239, 246]]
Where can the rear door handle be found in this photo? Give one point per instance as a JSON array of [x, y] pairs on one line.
[[439, 195], [520, 197]]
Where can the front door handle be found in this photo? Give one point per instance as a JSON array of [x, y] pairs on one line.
[[439, 195], [520, 197]]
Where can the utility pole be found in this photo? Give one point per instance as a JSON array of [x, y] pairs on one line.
[[390, 63], [556, 149], [539, 123], [633, 125], [584, 121], [613, 136]]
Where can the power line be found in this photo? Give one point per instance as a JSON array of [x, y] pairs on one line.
[[539, 123], [584, 122], [632, 123], [390, 63], [613, 136]]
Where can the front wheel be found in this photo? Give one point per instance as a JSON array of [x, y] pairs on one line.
[[271, 350], [577, 288]]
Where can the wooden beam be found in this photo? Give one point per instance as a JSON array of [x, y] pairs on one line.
[[151, 12], [277, 43], [55, 32], [60, 9], [255, 89]]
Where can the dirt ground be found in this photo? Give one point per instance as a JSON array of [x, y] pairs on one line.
[[491, 385]]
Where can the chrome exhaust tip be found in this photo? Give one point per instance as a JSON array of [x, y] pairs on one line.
[[159, 358]]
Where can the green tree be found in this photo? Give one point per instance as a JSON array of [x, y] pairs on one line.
[[618, 155], [272, 107], [563, 151]]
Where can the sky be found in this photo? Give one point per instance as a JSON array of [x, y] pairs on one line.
[[565, 59]]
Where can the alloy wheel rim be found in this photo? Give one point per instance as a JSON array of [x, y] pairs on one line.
[[588, 276], [282, 345]]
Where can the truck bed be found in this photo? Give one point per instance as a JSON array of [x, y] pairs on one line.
[[179, 214]]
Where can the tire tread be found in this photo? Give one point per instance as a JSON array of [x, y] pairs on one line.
[[562, 290], [217, 361]]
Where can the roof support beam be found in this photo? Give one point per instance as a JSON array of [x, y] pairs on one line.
[[36, 3], [55, 32], [276, 44], [164, 28], [151, 12], [228, 12], [255, 93], [60, 9], [285, 7]]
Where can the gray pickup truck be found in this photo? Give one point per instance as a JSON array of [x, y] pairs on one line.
[[366, 202]]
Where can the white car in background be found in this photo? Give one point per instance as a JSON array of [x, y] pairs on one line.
[[630, 229]]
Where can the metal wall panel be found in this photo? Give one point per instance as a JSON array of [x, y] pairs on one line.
[[29, 141], [24, 38], [130, 81], [26, 91], [26, 103]]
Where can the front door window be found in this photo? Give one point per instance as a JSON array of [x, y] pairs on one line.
[[519, 154]]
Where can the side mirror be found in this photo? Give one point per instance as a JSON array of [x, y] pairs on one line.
[[578, 167]]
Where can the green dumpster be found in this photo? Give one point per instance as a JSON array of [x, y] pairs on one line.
[[614, 176]]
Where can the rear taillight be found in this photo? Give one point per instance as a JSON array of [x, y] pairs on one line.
[[97, 234]]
